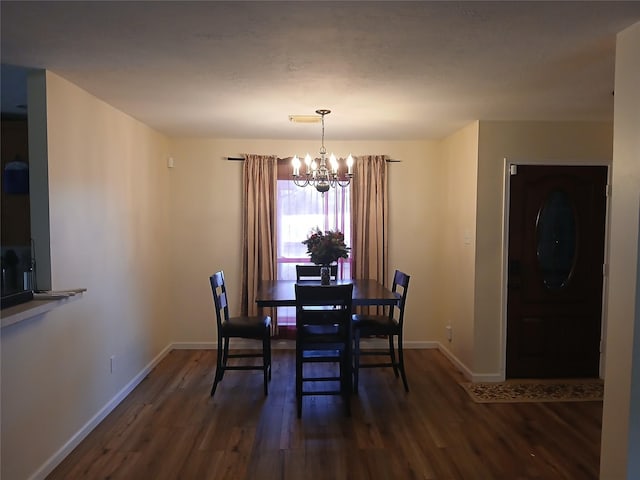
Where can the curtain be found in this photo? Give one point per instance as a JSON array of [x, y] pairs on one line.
[[259, 180], [369, 214]]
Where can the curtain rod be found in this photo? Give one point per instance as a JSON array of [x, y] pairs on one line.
[[240, 159]]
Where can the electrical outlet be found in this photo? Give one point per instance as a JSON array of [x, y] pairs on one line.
[[112, 363], [449, 333]]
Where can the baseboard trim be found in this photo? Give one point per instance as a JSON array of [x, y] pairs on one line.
[[193, 346], [81, 434], [247, 344], [487, 377], [468, 374], [420, 344]]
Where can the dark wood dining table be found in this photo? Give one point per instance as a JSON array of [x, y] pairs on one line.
[[281, 293]]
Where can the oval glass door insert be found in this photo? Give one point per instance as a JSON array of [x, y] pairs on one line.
[[556, 236]]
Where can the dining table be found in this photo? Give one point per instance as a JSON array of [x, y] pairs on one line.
[[281, 293]]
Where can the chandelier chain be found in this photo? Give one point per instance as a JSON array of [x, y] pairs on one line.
[[323, 151]]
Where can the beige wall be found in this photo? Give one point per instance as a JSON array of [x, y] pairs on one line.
[[457, 235], [206, 228], [520, 142], [620, 455], [109, 200]]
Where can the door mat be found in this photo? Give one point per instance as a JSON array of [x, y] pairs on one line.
[[581, 390]]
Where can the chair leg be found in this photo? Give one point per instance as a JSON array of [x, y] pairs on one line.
[[356, 359], [225, 357], [219, 367], [266, 363], [392, 354], [269, 340], [347, 387], [401, 365], [299, 381]]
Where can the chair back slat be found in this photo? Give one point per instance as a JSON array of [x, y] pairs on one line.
[[312, 272], [223, 299], [219, 291], [400, 287]]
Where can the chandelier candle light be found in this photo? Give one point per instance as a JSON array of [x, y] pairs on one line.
[[317, 172]]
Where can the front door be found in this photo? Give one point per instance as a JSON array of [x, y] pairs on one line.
[[555, 265]]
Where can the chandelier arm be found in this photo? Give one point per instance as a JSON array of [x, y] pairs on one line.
[[300, 183]]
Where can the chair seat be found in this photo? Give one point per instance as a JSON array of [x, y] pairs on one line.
[[321, 337], [245, 326], [375, 324]]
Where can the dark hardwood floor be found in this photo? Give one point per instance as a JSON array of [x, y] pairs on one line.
[[169, 428]]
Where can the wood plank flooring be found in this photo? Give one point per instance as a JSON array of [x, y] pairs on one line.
[[169, 428]]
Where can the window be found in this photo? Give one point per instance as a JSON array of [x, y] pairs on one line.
[[299, 211]]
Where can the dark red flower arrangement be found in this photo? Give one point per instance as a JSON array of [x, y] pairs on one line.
[[326, 248]]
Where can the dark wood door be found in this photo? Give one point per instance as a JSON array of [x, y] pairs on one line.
[[555, 271]]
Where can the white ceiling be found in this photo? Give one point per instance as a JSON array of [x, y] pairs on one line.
[[387, 70]]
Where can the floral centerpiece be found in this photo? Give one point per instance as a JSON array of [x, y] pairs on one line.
[[326, 248]]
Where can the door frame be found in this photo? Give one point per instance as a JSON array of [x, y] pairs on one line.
[[506, 171]]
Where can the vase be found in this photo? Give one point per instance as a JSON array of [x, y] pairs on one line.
[[325, 275]]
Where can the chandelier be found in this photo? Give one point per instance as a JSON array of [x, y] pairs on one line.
[[318, 173]]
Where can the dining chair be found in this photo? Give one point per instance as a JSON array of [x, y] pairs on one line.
[[389, 325], [323, 335], [312, 272], [247, 327]]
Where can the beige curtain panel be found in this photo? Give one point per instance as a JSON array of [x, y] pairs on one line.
[[259, 181], [369, 214]]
